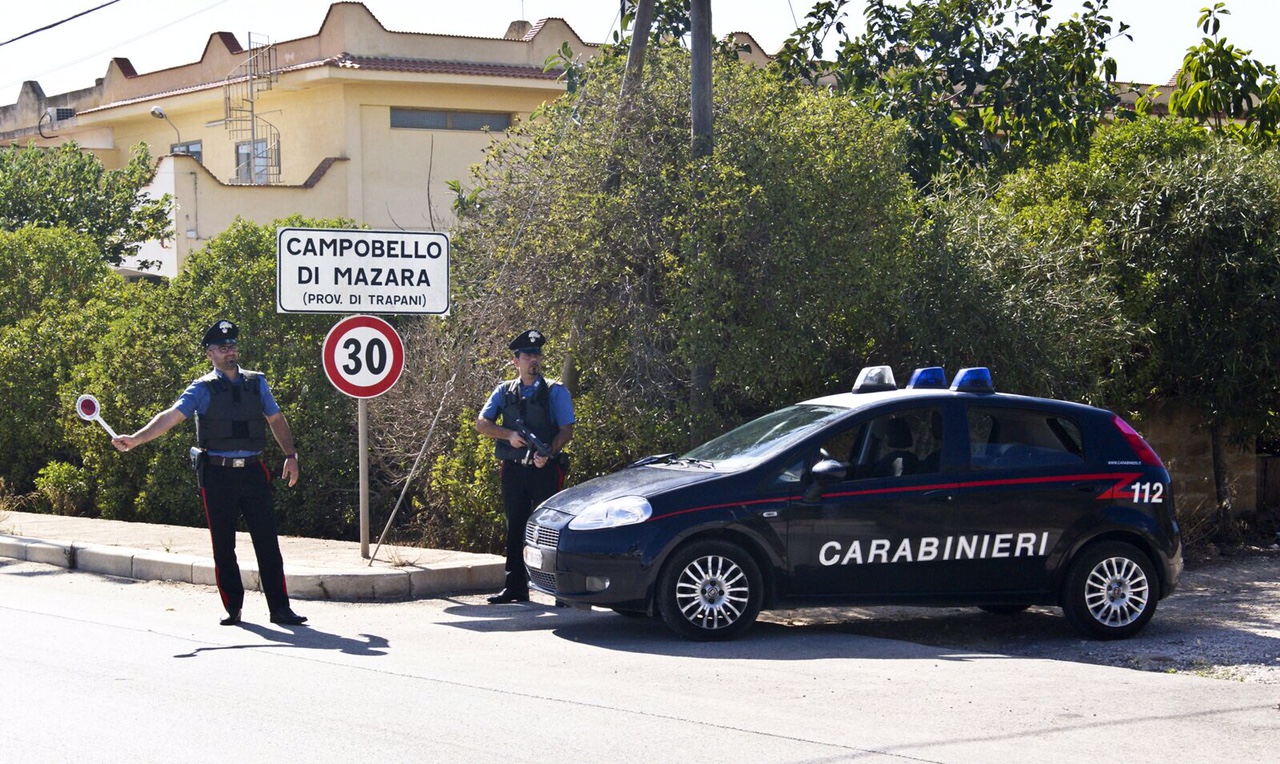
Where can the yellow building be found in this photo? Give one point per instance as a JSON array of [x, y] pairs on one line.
[[354, 121]]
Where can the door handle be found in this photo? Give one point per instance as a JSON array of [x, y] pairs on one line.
[[1085, 486], [938, 496]]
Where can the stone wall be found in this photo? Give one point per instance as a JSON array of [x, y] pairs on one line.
[[1175, 432]]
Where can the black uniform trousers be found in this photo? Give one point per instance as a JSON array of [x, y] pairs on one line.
[[524, 487], [228, 493]]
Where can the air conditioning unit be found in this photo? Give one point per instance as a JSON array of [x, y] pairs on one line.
[[59, 113]]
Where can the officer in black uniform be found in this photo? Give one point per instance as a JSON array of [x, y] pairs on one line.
[[233, 408], [543, 411]]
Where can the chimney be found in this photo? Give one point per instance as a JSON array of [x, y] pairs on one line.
[[517, 30]]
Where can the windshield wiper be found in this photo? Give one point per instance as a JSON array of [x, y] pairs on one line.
[[694, 462], [654, 459], [671, 458]]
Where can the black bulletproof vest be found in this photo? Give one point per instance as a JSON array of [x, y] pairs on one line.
[[234, 421], [535, 412]]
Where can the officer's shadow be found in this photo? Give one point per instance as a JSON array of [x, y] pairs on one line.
[[304, 637]]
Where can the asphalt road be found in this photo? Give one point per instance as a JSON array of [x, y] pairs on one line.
[[1222, 622], [108, 670]]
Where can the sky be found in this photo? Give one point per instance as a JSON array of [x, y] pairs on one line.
[[158, 34]]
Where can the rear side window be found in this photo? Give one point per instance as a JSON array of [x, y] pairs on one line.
[[1021, 438]]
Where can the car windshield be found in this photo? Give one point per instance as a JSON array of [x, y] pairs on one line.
[[761, 438]]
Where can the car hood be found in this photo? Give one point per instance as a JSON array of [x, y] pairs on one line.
[[636, 481]]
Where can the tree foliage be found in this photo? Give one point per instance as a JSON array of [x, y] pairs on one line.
[[771, 256], [49, 281], [1197, 248], [1006, 277], [43, 270], [66, 187], [1172, 234], [985, 83], [1222, 86]]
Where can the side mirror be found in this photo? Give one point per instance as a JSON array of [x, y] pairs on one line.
[[823, 474], [828, 471]]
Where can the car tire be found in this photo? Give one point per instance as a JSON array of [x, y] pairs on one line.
[[710, 590], [1110, 591], [1003, 609]]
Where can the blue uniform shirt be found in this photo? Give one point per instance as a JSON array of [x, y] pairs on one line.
[[561, 403], [195, 400]]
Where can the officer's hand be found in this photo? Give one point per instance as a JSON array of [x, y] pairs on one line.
[[124, 442], [290, 472], [516, 441], [540, 461]]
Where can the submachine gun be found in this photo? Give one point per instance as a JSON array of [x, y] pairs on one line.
[[535, 443]]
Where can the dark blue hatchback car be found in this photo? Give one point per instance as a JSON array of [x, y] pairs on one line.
[[928, 495]]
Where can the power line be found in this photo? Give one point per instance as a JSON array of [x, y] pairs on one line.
[[59, 23], [114, 46]]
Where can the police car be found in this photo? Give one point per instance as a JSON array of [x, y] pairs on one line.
[[934, 494]]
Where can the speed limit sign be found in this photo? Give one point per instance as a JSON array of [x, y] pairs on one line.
[[363, 356]]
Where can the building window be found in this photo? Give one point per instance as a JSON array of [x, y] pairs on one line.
[[431, 119], [193, 149], [256, 163]]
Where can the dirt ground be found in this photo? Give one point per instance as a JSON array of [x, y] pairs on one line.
[[1222, 622]]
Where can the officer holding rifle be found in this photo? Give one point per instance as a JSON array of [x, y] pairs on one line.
[[532, 421]]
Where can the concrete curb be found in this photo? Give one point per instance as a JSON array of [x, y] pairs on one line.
[[359, 584]]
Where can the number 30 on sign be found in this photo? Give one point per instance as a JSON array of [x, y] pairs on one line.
[[363, 356]]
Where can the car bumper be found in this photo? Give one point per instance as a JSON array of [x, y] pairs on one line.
[[602, 568], [603, 580]]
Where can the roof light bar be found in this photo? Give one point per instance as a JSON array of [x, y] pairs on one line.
[[875, 379], [928, 378], [976, 379]]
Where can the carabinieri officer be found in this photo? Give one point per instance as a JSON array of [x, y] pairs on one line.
[[545, 410], [233, 408]]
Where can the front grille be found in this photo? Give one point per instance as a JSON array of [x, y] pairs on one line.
[[544, 581], [539, 536]]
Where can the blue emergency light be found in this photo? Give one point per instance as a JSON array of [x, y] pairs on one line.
[[875, 379], [928, 378], [976, 379]]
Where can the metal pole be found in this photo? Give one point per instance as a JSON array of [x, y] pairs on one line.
[[363, 426], [700, 55]]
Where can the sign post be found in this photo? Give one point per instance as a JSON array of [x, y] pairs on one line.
[[363, 357], [349, 271]]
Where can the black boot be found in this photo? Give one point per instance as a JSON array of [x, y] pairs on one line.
[[287, 617], [509, 595]]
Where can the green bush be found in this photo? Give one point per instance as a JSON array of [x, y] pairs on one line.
[[469, 514], [64, 488]]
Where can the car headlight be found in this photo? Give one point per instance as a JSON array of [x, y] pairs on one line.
[[625, 510]]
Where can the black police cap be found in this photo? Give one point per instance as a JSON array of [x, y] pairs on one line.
[[529, 342], [223, 332]]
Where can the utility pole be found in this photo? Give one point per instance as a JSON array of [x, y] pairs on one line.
[[702, 370], [700, 50], [635, 54]]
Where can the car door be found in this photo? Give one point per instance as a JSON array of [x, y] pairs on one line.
[[878, 532], [1025, 484]]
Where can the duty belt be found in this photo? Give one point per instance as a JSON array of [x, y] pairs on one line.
[[224, 461]]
